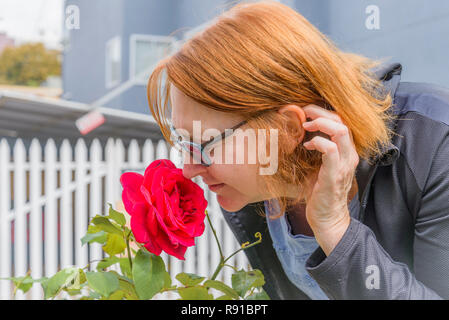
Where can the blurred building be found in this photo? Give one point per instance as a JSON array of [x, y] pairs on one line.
[[107, 59], [118, 39], [5, 41]]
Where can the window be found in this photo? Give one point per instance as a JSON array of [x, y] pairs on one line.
[[113, 62], [146, 51]]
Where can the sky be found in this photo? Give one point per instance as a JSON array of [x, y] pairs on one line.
[[33, 20]]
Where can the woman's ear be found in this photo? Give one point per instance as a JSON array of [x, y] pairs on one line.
[[296, 117]]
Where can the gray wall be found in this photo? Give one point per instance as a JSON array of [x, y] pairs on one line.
[[101, 20], [191, 13], [412, 32], [84, 61]]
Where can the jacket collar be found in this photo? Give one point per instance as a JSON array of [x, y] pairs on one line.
[[390, 74]]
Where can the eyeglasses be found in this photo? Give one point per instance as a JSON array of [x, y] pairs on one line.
[[197, 151]]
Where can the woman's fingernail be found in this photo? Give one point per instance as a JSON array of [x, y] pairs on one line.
[[306, 124]]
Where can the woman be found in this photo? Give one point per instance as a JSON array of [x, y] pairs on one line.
[[357, 207]]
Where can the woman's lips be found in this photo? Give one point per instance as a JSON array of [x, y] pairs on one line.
[[215, 187]]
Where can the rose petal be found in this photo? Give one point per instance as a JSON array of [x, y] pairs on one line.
[[158, 180], [140, 232], [131, 194], [151, 222], [138, 226], [177, 236], [155, 166], [131, 180], [176, 251]]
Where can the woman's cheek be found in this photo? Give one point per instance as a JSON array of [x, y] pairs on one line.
[[234, 171], [222, 153], [230, 151]]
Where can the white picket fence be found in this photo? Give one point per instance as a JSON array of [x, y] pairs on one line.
[[46, 202]]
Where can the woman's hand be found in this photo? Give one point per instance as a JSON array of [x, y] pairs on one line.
[[327, 201]]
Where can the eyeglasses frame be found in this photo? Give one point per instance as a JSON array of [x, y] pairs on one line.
[[203, 146]]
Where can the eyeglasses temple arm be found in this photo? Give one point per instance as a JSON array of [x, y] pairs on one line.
[[224, 134]]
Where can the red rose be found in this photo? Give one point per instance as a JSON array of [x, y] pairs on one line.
[[167, 210]]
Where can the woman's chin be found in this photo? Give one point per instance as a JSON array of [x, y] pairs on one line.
[[228, 204]]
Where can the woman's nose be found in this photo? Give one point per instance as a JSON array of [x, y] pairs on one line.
[[191, 170]]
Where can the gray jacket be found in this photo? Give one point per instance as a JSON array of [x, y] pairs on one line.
[[397, 244]]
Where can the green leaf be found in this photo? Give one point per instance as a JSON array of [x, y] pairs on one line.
[[42, 281], [125, 267], [57, 282], [119, 276], [242, 280], [22, 283], [129, 289], [102, 282], [77, 281], [224, 297], [93, 229], [93, 295], [72, 292], [107, 262], [82, 276], [189, 279], [220, 286], [116, 216], [44, 285], [195, 293], [258, 296], [99, 237], [148, 274], [117, 295], [114, 245], [168, 282], [104, 224]]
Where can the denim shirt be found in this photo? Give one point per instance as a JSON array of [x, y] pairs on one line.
[[294, 250]]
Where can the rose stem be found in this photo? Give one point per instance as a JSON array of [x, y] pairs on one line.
[[129, 251], [244, 247], [220, 265]]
